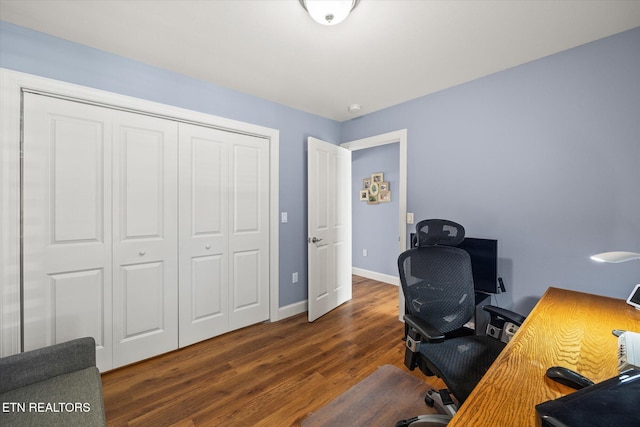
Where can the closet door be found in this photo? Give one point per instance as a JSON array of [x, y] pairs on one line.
[[224, 232], [101, 245], [249, 230], [204, 233], [145, 237], [66, 224]]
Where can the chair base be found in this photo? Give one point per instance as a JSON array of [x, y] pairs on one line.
[[442, 401], [444, 404], [425, 421]]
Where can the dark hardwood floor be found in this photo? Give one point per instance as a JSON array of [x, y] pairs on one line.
[[270, 374]]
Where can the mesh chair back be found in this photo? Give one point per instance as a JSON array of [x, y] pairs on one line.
[[439, 232], [436, 279]]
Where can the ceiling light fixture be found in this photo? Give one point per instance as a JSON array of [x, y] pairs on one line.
[[354, 108], [329, 12]]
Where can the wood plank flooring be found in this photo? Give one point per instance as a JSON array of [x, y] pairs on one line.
[[270, 374]]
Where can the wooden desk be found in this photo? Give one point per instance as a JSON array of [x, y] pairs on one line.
[[566, 328]]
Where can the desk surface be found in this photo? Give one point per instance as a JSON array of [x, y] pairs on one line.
[[566, 328]]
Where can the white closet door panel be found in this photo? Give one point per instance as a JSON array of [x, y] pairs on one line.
[[145, 239], [249, 238], [204, 233], [142, 186], [143, 286], [74, 320], [208, 287], [76, 184], [67, 224], [247, 182], [209, 184], [246, 286]]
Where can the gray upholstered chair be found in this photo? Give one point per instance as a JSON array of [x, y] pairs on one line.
[[58, 385]]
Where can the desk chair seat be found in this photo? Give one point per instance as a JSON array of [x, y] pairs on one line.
[[437, 283], [475, 353]]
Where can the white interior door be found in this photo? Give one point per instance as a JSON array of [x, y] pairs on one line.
[[204, 233], [329, 226], [67, 224], [145, 237]]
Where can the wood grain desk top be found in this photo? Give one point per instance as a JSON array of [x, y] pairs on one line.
[[566, 328]]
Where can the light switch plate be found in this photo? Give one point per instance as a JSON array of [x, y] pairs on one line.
[[410, 218]]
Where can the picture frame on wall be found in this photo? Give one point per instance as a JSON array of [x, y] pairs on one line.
[[375, 189], [366, 183]]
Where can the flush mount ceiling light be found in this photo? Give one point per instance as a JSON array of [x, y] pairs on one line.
[[329, 12]]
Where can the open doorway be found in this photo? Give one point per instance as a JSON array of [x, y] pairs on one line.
[[399, 138]]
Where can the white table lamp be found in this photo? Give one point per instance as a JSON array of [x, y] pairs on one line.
[[615, 256], [622, 256]]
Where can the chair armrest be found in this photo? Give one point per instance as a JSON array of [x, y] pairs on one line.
[[504, 314], [426, 330], [38, 365]]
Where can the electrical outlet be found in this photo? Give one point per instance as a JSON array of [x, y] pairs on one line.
[[364, 252], [294, 277]]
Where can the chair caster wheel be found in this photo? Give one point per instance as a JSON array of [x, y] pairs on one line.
[[428, 400], [406, 423]]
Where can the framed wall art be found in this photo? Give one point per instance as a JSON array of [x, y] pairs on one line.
[[375, 189]]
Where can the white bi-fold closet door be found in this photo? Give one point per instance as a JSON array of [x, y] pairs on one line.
[[112, 231], [224, 239], [99, 229]]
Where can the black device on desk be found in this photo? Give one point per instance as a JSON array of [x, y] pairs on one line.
[[613, 402], [484, 262], [484, 268], [568, 377]]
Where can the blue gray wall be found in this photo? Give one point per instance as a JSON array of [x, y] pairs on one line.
[[544, 157], [40, 54], [375, 227]]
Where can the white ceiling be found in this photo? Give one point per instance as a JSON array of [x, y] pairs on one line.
[[385, 53]]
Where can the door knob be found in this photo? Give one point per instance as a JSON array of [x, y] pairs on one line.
[[315, 240], [141, 253]]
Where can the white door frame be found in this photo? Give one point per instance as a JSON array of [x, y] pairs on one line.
[[12, 83], [399, 137]]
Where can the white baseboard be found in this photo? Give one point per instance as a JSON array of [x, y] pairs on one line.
[[292, 310], [374, 275]]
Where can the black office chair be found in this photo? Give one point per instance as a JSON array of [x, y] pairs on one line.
[[437, 283]]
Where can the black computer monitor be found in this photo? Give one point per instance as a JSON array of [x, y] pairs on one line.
[[484, 263]]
